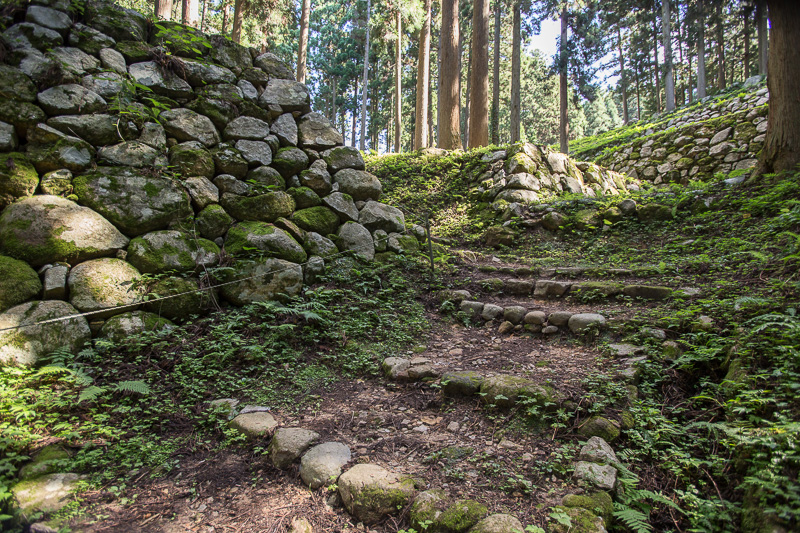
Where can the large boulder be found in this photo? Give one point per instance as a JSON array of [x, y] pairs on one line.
[[98, 129], [121, 327], [26, 35], [343, 205], [343, 157], [186, 125], [288, 444], [370, 492], [262, 280], [273, 66], [116, 21], [377, 216], [135, 201], [285, 129], [27, 345], [64, 152], [201, 73], [131, 154], [318, 219], [354, 237], [263, 208], [290, 160], [191, 159], [46, 229], [323, 463], [506, 390], [288, 94], [108, 285], [18, 178], [45, 494], [212, 222], [246, 128], [359, 184], [160, 251], [177, 298], [18, 282], [263, 238], [316, 132], [70, 99], [497, 523]]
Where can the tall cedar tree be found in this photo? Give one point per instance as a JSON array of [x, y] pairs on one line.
[[302, 48], [495, 113], [782, 143], [449, 97], [669, 74], [423, 81], [163, 9], [479, 76], [515, 72]]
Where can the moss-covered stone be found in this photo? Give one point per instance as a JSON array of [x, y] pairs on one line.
[[317, 219], [18, 178], [426, 509], [47, 494], [133, 51], [22, 115], [228, 160], [290, 161], [15, 85], [654, 212], [580, 521], [18, 282], [461, 516], [369, 492], [107, 285], [304, 197], [121, 327], [247, 238], [213, 222], [263, 208], [599, 503], [263, 280], [221, 109], [190, 302], [605, 289], [598, 426], [586, 219], [464, 383], [160, 251], [264, 178], [191, 159], [506, 390], [48, 460]]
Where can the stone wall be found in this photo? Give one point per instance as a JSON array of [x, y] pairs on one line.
[[130, 148], [698, 142]]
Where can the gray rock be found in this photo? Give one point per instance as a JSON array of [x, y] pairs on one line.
[[518, 287], [107, 84], [375, 216], [370, 492], [514, 314], [201, 73], [160, 81], [228, 160], [161, 251], [597, 450], [67, 152], [186, 125], [153, 135], [343, 157], [316, 244], [254, 424], [316, 178], [497, 523], [46, 494], [721, 136], [316, 132], [523, 181], [113, 60], [323, 464], [212, 222], [491, 311], [120, 23], [550, 289], [359, 184], [8, 138], [275, 242], [273, 66], [256, 153], [49, 18], [266, 178], [648, 292], [472, 308], [131, 154], [90, 40], [150, 202], [229, 184], [266, 207], [27, 345], [290, 161], [246, 128], [29, 35], [263, 280], [354, 237], [583, 322], [505, 390], [624, 350], [559, 318], [70, 99], [343, 205], [313, 269], [55, 282], [288, 94], [285, 128], [228, 53], [461, 383], [553, 221], [46, 229], [603, 477], [104, 285], [249, 92], [202, 192], [97, 129], [74, 60], [120, 327], [288, 444], [550, 330], [535, 318]]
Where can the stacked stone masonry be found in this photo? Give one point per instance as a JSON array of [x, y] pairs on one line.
[[701, 141], [130, 148]]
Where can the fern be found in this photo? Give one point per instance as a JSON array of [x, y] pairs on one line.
[[632, 518], [90, 394], [139, 387]]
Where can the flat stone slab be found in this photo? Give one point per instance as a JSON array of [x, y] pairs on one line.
[[323, 463], [47, 493], [603, 477], [288, 444], [257, 424]]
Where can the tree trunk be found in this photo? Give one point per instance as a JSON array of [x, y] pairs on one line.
[[515, 73], [669, 75], [782, 143], [238, 16], [690, 96], [302, 48], [479, 66], [656, 68], [423, 81], [398, 83], [203, 16], [763, 43], [191, 12], [563, 122], [355, 113], [467, 100], [747, 14], [638, 95], [701, 53], [163, 9], [720, 49], [449, 102], [364, 84], [495, 118], [622, 79], [225, 10]]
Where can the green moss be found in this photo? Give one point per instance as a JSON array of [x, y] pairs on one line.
[[581, 521], [304, 197], [599, 503], [462, 515], [213, 222], [181, 307], [318, 219], [50, 459], [190, 161], [18, 282], [18, 178]]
